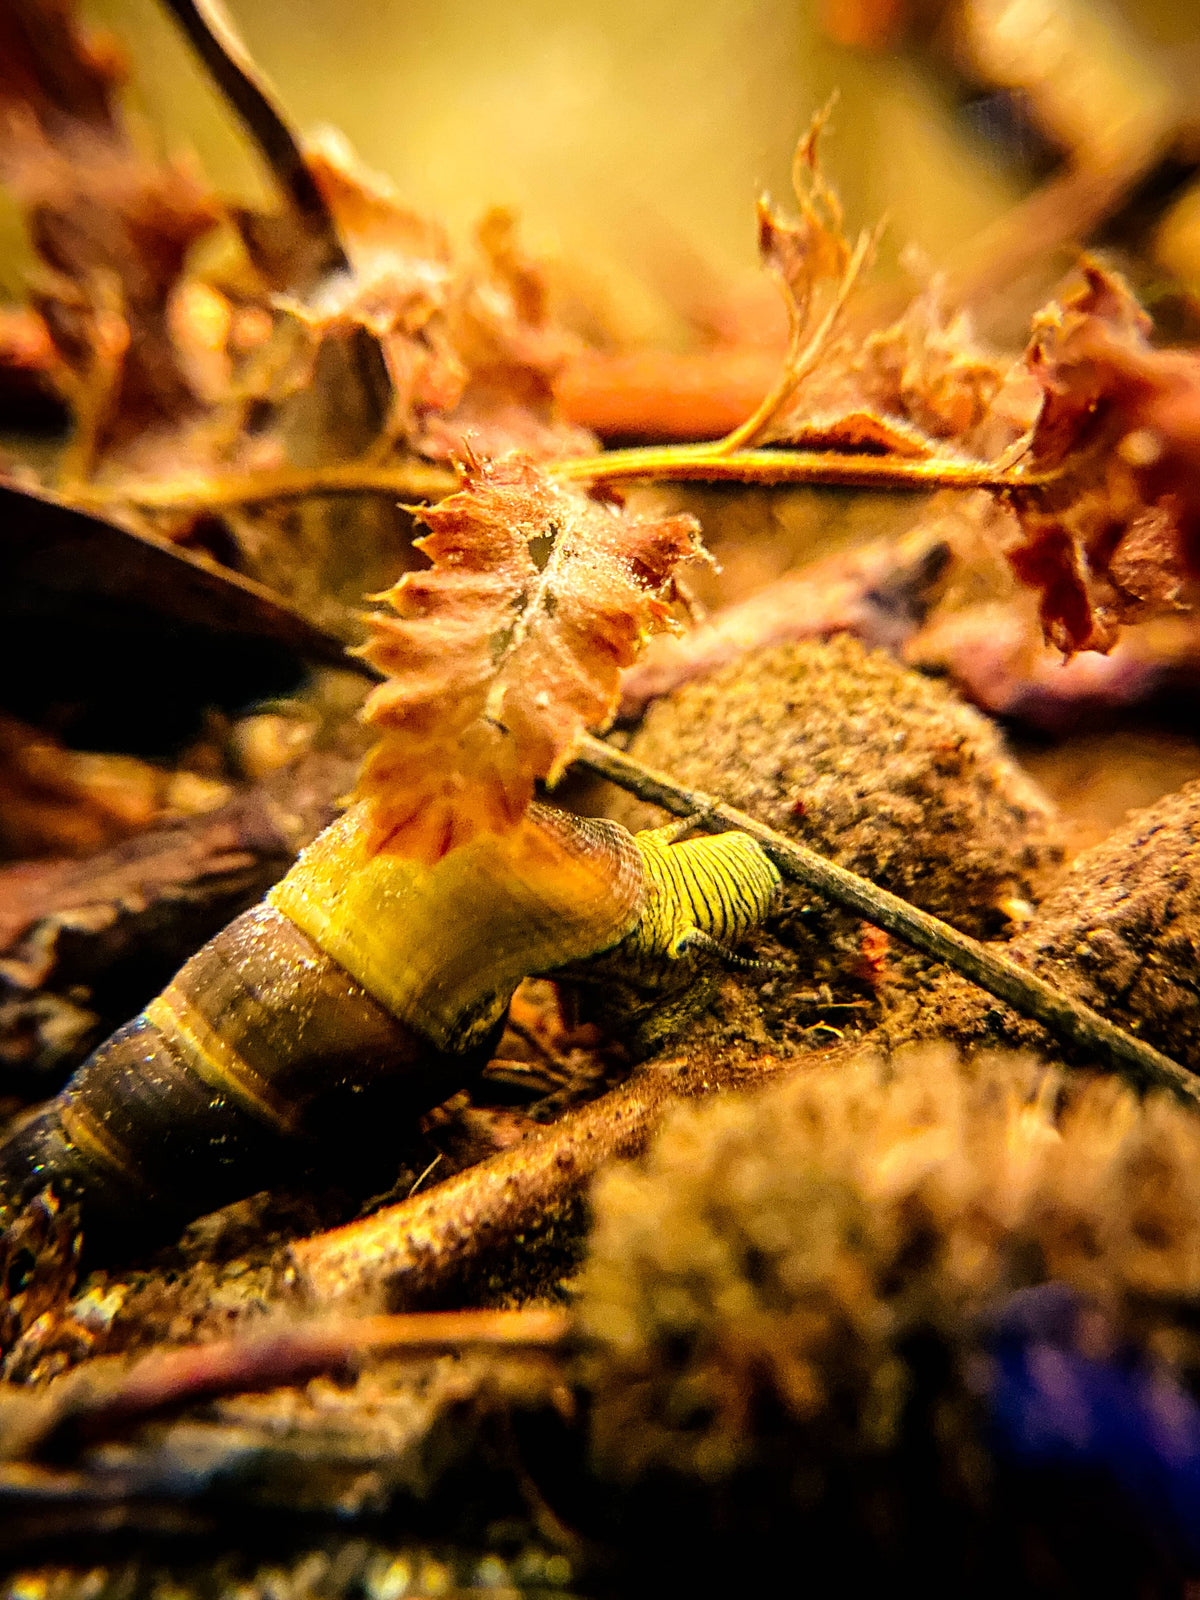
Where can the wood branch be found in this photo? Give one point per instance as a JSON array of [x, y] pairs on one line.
[[405, 1254]]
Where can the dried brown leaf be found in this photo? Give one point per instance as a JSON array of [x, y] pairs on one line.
[[901, 390], [470, 347], [501, 328], [814, 250], [398, 287], [506, 649], [909, 389], [898, 390], [816, 268], [1115, 534]]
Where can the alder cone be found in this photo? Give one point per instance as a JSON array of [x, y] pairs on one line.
[[881, 769], [1121, 933], [807, 1312]]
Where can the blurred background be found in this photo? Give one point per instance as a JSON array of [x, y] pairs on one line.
[[633, 136]]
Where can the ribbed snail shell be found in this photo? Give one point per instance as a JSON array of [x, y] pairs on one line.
[[363, 985]]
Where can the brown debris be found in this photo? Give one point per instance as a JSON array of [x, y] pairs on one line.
[[112, 227], [27, 394], [984, 633], [73, 933], [320, 1566], [788, 1305], [67, 802], [109, 1397], [902, 390], [340, 1445], [470, 347], [39, 1254]]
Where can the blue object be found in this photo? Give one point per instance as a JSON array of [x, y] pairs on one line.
[[1056, 1405]]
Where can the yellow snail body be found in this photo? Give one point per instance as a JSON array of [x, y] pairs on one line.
[[362, 986]]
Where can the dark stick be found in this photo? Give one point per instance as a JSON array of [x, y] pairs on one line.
[[216, 43], [1066, 1018]]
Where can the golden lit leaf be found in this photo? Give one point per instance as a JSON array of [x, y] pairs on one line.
[[507, 648]]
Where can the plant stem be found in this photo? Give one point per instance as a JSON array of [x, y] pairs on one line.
[[410, 480], [705, 463], [1068, 1019], [800, 361], [425, 480]]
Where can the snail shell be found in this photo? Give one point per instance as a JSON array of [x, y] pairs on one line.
[[362, 986]]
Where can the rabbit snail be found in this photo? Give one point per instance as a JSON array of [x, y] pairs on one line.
[[362, 989]]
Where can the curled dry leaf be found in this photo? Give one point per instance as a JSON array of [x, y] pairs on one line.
[[815, 250], [1115, 534], [902, 389], [816, 269], [911, 388], [506, 649], [469, 345]]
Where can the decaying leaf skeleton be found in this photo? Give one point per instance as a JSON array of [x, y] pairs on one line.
[[364, 984]]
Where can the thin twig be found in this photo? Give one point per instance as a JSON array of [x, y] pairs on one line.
[[215, 41], [1068, 1019], [106, 1396]]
